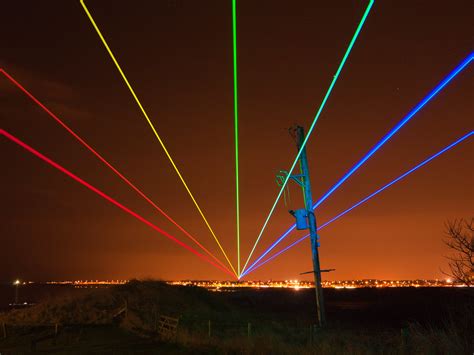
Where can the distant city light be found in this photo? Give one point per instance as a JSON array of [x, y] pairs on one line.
[[296, 285]]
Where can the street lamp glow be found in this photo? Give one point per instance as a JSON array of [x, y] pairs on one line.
[[17, 282]]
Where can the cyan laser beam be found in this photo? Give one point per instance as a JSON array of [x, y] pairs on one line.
[[372, 151], [311, 128], [364, 200]]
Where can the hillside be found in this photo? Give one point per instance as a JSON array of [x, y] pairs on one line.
[[126, 319]]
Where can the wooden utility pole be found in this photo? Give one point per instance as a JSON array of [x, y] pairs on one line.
[[303, 179]]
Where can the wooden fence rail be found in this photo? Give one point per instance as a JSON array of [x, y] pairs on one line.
[[168, 327]]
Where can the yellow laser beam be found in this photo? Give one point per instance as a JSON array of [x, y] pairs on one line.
[[154, 130]]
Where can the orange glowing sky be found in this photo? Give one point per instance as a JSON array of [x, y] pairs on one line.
[[178, 56]]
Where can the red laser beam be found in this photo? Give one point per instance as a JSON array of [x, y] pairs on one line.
[[110, 199], [101, 158]]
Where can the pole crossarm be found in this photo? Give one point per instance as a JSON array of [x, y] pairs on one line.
[[312, 271], [318, 113], [129, 86]]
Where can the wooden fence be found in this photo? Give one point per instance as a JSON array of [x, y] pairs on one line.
[[168, 327]]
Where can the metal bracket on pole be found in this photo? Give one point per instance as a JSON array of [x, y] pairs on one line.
[[298, 178], [280, 179], [321, 270]]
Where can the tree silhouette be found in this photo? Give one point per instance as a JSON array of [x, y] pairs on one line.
[[460, 240]]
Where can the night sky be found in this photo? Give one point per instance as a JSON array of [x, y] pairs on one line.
[[178, 57]]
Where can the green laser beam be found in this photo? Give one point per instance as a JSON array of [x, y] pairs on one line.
[[236, 131], [150, 123], [321, 107]]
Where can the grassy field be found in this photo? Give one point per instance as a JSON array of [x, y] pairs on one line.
[[365, 321]]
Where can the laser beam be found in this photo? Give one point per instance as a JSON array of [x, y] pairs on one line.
[[364, 200], [108, 198], [103, 160], [154, 130], [236, 131], [374, 149], [318, 113]]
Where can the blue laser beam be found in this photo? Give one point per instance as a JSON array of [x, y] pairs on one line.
[[316, 117], [424, 162], [399, 125], [371, 152], [255, 267]]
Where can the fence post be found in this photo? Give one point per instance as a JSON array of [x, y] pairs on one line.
[[209, 328], [249, 330], [4, 328], [405, 336], [155, 319]]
